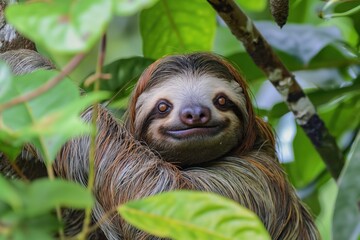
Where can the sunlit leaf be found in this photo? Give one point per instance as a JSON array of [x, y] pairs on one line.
[[62, 25], [346, 221], [258, 5], [48, 120], [173, 26], [128, 7], [193, 215]]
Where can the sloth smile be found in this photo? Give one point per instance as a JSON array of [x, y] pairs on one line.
[[193, 132]]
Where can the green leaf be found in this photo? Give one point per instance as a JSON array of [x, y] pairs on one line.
[[193, 215], [44, 195], [346, 221], [124, 75], [257, 6], [62, 25], [128, 7], [173, 26], [9, 194], [48, 120], [307, 164]]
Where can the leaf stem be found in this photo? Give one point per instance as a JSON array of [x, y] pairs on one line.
[[74, 62], [92, 150]]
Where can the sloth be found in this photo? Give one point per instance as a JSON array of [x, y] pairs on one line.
[[190, 125]]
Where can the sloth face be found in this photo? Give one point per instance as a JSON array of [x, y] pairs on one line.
[[190, 119]]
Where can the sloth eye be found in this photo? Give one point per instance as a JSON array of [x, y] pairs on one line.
[[163, 106], [222, 102]]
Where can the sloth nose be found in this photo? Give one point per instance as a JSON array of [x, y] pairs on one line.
[[194, 115]]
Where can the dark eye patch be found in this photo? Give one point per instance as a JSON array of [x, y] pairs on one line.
[[160, 110], [223, 103]]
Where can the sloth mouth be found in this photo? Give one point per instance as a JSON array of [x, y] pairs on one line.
[[194, 131]]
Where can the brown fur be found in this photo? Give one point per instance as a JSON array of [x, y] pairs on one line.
[[127, 169]]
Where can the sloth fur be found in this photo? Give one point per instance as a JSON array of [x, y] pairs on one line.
[[190, 125]]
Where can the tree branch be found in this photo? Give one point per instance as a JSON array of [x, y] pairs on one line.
[[262, 54]]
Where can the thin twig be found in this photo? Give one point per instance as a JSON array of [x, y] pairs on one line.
[[92, 150], [244, 30], [48, 85]]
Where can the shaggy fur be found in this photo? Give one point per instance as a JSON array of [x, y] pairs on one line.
[[127, 168]]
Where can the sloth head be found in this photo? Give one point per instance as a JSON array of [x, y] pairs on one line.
[[192, 109]]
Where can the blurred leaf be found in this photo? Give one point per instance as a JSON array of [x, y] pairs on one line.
[[124, 73], [327, 196], [258, 6], [48, 120], [330, 57], [346, 26], [302, 41], [173, 26], [5, 78], [225, 43], [128, 7], [346, 221], [193, 215], [9, 195], [42, 227], [44, 195], [62, 25]]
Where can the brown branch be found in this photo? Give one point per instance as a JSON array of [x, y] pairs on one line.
[[74, 62], [262, 54]]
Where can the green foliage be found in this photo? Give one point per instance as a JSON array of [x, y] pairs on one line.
[[25, 209], [177, 27], [323, 55], [193, 215], [128, 7], [347, 202], [62, 26], [57, 110]]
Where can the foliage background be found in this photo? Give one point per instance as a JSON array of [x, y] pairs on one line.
[[322, 53]]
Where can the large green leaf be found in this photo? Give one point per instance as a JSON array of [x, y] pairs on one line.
[[62, 25], [346, 221], [193, 215], [48, 120], [173, 26]]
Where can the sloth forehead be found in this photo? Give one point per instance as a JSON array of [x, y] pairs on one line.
[[190, 88]]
